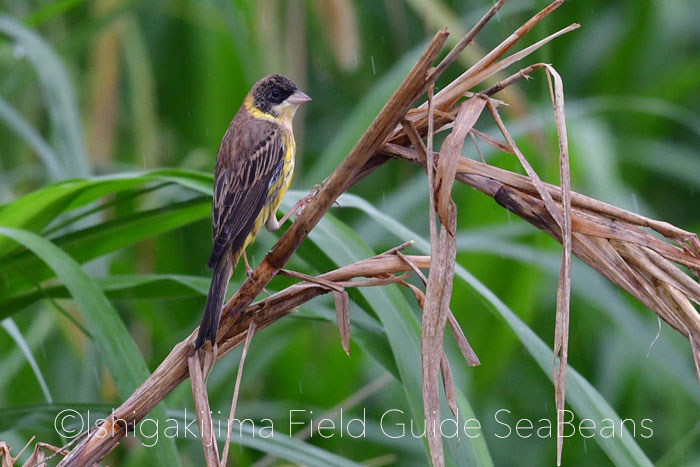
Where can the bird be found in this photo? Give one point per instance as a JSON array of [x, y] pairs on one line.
[[254, 168]]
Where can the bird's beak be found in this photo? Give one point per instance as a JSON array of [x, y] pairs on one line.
[[298, 98]]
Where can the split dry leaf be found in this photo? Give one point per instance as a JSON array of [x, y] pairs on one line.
[[437, 302], [469, 112], [449, 385], [369, 153], [561, 326], [7, 459], [201, 404], [236, 391], [39, 458], [342, 310]]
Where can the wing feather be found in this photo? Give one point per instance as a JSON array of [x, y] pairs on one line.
[[247, 164]]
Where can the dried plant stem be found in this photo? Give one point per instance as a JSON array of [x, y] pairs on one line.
[[201, 404], [236, 390], [610, 239], [441, 278], [561, 326], [484, 67], [174, 369]]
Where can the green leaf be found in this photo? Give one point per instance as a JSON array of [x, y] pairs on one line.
[[72, 416], [58, 92], [118, 349], [39, 208], [124, 287], [17, 336], [90, 243], [15, 121]]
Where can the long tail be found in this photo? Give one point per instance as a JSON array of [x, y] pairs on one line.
[[215, 300]]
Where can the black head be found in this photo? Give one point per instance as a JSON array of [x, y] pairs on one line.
[[271, 91]]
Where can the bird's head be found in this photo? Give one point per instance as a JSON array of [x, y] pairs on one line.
[[278, 96]]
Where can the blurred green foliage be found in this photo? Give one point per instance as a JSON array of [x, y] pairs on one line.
[[103, 275]]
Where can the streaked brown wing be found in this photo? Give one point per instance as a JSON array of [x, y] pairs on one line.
[[244, 171]]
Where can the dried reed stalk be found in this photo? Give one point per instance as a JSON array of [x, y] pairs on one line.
[[174, 368], [171, 372], [612, 240], [617, 243]]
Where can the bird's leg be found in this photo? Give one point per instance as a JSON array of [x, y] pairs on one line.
[[248, 269]]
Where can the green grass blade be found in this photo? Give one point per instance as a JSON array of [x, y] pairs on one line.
[[124, 287], [50, 11], [14, 332], [118, 349], [90, 243], [19, 125], [38, 209], [58, 92], [677, 161]]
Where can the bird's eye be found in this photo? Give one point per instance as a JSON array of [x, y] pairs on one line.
[[275, 93]]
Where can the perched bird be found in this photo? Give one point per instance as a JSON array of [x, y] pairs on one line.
[[254, 168]]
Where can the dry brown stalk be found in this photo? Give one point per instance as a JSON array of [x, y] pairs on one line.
[[171, 372], [236, 390], [613, 241], [561, 333], [342, 311], [603, 236], [174, 368], [461, 339], [441, 278], [201, 405]]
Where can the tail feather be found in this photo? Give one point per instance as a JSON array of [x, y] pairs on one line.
[[215, 301]]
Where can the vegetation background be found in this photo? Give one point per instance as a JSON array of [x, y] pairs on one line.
[[111, 91]]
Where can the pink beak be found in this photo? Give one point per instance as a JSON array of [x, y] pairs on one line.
[[298, 98]]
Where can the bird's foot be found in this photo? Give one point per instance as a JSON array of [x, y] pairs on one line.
[[249, 271]]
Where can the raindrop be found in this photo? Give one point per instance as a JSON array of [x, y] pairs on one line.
[[635, 203], [300, 390], [354, 55], [374, 69]]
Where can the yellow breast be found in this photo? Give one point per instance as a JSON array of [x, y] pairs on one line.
[[277, 190]]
